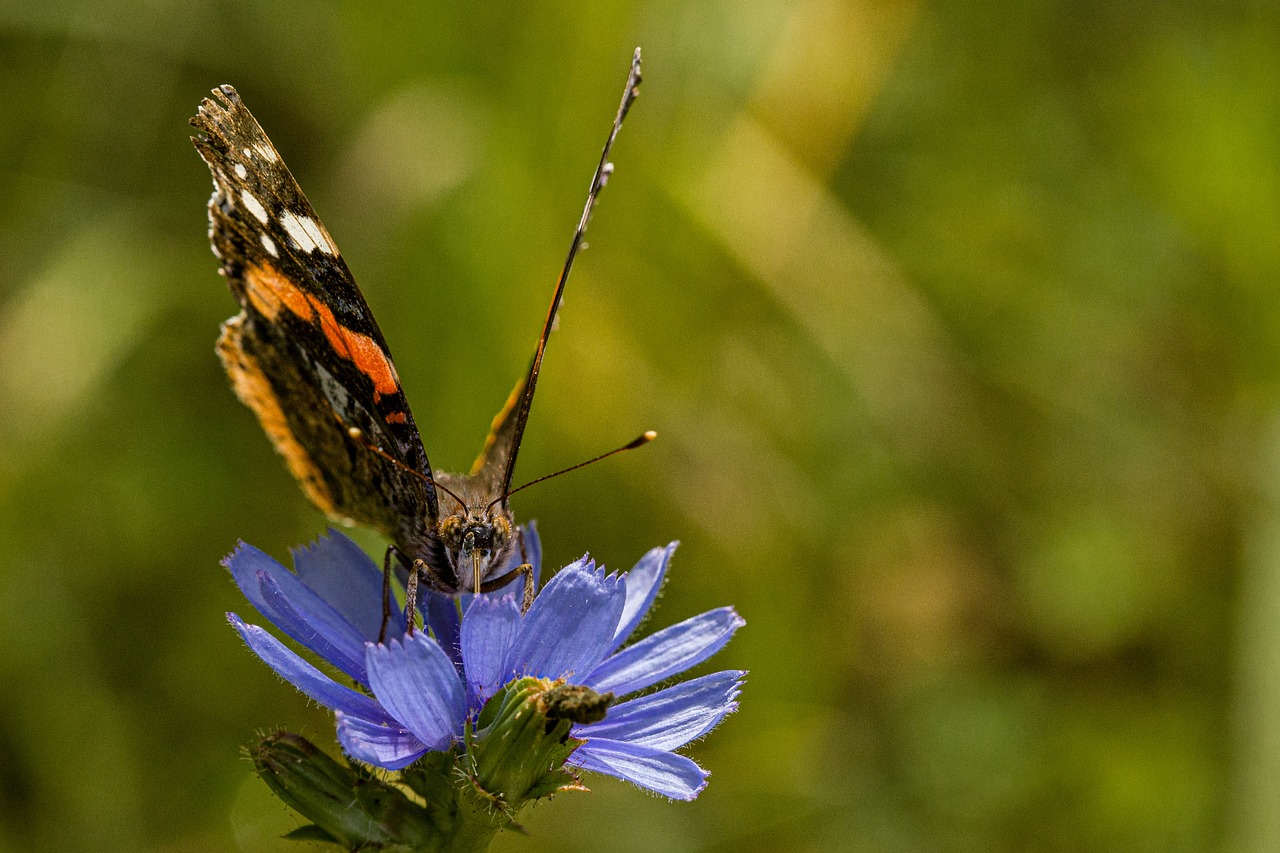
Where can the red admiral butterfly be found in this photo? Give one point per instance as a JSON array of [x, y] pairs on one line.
[[306, 355]]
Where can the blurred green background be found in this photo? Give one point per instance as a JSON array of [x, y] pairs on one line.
[[959, 323]]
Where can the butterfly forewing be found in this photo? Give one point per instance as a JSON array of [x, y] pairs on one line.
[[305, 353]]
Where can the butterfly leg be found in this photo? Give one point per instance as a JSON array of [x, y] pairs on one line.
[[527, 571], [386, 589], [433, 580], [529, 591], [386, 594], [411, 594], [499, 582]]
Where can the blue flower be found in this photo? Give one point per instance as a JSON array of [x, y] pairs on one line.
[[417, 691]]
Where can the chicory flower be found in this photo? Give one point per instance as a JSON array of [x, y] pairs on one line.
[[419, 691]]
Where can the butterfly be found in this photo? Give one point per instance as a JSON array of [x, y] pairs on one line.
[[307, 357]]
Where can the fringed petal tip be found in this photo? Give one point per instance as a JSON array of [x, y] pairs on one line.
[[665, 773], [672, 717], [665, 653], [569, 628], [240, 545], [644, 582]]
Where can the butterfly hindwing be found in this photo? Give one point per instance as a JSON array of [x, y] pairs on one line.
[[305, 352], [491, 465]]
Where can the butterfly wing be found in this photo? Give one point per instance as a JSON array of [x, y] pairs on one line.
[[490, 467], [305, 353], [496, 464]]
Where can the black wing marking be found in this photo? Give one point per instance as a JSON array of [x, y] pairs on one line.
[[305, 353]]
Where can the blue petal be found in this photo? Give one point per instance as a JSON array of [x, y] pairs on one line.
[[568, 629], [302, 675], [533, 550], [341, 653], [643, 583], [415, 681], [488, 630], [666, 653], [390, 746], [296, 610], [660, 771], [341, 573], [442, 614], [672, 717]]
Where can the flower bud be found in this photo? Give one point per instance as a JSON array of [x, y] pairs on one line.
[[347, 806], [521, 742]]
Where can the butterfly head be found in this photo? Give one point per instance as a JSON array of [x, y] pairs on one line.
[[478, 541]]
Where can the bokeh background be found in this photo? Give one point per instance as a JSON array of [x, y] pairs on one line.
[[959, 322]]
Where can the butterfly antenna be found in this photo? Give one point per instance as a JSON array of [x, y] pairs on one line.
[[598, 180], [641, 441], [357, 435]]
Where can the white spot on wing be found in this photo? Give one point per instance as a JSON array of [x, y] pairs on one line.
[[297, 231], [267, 153], [242, 171], [317, 235], [255, 206], [247, 152], [270, 246]]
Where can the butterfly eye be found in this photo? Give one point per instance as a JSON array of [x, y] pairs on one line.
[[450, 530]]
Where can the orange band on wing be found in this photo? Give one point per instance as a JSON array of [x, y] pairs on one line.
[[498, 424], [268, 289], [261, 294], [361, 349], [372, 361]]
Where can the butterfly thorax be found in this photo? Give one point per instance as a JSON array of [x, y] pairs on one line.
[[476, 534]]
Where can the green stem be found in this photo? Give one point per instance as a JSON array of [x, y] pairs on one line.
[[475, 824]]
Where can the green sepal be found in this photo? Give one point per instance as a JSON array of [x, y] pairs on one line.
[[403, 820], [310, 832], [521, 742], [348, 806]]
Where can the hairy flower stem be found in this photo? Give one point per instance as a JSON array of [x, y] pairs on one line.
[[475, 824]]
